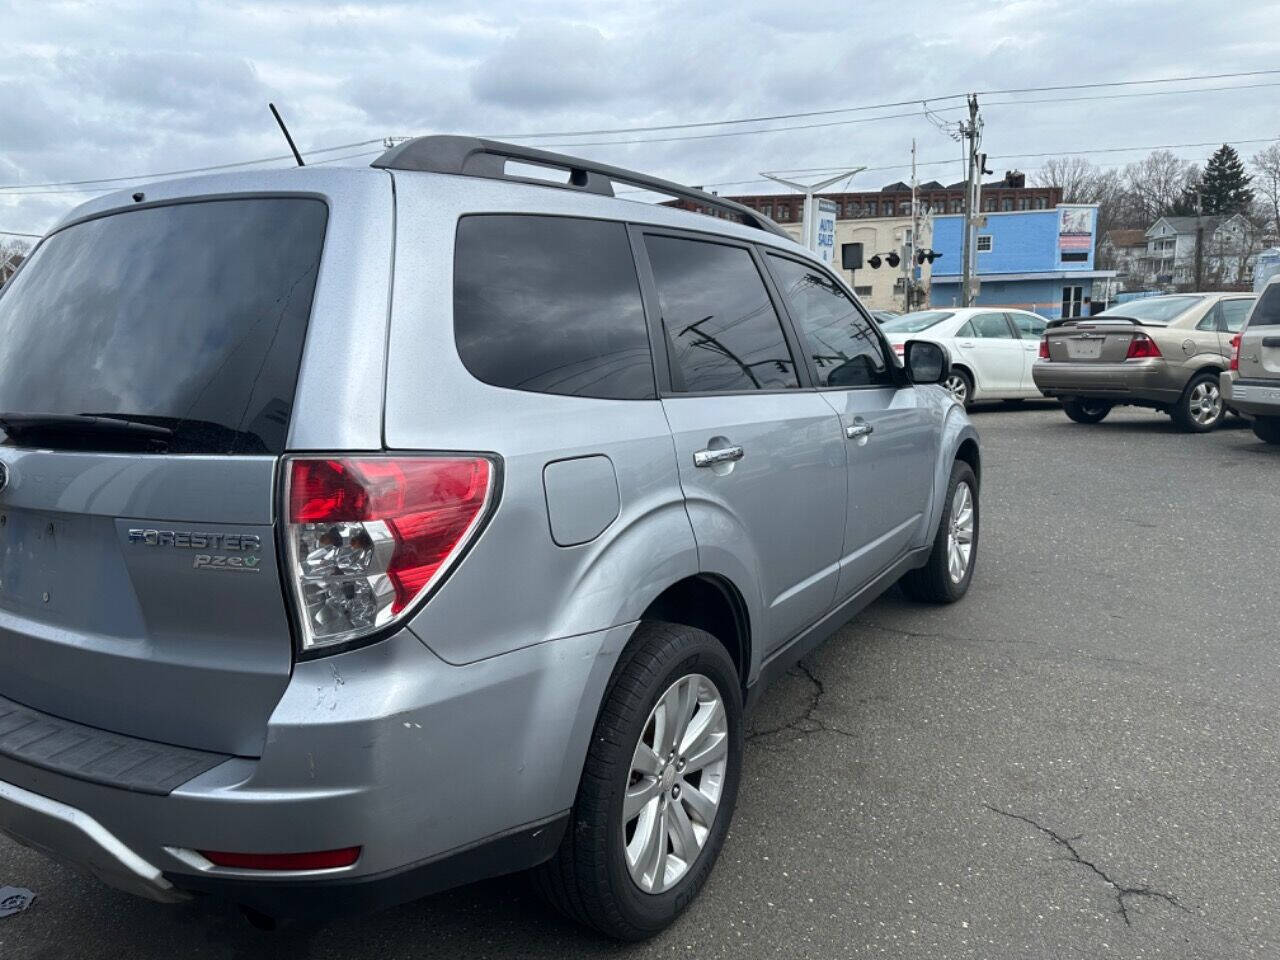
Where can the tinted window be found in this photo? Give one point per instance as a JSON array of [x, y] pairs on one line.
[[723, 331], [1234, 313], [189, 317], [991, 326], [841, 342], [1031, 327], [552, 305], [1267, 312], [1155, 310]]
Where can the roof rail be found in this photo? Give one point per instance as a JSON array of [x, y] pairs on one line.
[[475, 157]]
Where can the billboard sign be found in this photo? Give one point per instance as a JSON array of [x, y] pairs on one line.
[[820, 229], [1075, 229]]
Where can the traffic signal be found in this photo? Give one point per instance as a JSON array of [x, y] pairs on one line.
[[874, 262], [893, 259], [929, 255]]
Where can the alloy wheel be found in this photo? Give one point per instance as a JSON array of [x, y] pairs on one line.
[[956, 386], [1205, 403], [960, 535], [675, 783]]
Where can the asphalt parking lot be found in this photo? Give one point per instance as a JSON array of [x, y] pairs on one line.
[[1079, 760]]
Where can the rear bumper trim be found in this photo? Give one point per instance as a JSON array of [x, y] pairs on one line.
[[72, 836]]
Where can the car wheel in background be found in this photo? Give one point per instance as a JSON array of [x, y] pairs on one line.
[[1086, 411], [1267, 428], [945, 577], [1200, 408], [658, 788], [960, 385]]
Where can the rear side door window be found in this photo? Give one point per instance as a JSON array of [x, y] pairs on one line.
[[991, 326], [841, 343], [1030, 327], [722, 331], [1234, 314], [551, 305]]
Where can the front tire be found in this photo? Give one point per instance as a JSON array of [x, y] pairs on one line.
[[1200, 407], [1267, 429], [945, 578], [1086, 411], [658, 788], [960, 385]]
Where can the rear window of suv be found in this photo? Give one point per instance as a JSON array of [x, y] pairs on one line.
[[189, 317], [1267, 312], [551, 305]]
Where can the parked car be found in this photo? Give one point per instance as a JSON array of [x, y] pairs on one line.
[[992, 350], [1163, 352], [883, 315], [321, 592], [1251, 384]]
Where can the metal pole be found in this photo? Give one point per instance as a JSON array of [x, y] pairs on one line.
[[966, 254], [909, 261]]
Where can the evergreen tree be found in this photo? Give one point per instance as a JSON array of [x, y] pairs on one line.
[[1224, 188]]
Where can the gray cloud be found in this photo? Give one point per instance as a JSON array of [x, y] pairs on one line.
[[98, 90]]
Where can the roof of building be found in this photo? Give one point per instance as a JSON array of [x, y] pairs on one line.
[[1127, 238], [1188, 224]]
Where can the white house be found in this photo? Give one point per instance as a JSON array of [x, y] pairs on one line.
[[1228, 247]]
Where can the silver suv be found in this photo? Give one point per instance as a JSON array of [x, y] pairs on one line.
[[1252, 383], [368, 532]]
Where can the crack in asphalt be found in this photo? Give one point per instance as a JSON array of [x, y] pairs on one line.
[[807, 722], [935, 635], [1120, 890]]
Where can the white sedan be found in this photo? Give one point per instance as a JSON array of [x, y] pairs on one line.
[[992, 350]]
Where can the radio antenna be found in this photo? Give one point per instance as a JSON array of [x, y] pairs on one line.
[[285, 130]]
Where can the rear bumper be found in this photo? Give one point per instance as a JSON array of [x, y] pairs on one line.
[[441, 774], [1133, 381], [1257, 398]]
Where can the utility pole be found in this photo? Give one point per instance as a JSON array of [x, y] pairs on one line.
[[909, 249], [1199, 262], [972, 134]]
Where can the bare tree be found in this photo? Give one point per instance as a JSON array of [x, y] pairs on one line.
[[1155, 184], [12, 251], [1076, 177], [1266, 181]]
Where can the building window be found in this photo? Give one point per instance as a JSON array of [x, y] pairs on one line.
[[899, 285], [1072, 298], [1006, 204], [863, 291], [767, 209], [784, 212], [1022, 203], [957, 205], [1040, 203], [989, 204], [984, 243], [1075, 256], [872, 208]]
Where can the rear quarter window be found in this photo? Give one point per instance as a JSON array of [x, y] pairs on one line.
[[1267, 312], [551, 305]]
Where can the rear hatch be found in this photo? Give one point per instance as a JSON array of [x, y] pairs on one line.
[[1260, 341], [1097, 340], [148, 363]]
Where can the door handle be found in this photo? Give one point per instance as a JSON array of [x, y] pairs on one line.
[[859, 430], [966, 343], [709, 458]]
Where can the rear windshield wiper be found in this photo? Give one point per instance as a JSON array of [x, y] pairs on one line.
[[79, 429]]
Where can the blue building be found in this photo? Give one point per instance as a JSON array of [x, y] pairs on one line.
[[1038, 260]]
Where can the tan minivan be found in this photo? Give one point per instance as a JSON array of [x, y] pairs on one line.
[[1163, 352]]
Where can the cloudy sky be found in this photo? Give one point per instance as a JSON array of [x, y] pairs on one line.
[[93, 90]]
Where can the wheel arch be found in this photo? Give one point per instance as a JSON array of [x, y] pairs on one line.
[[713, 603]]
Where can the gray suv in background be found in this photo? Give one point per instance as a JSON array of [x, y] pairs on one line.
[[368, 532], [1251, 384]]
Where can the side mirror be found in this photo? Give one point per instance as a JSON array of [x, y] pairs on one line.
[[851, 256], [926, 361]]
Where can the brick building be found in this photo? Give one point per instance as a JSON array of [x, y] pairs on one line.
[[1000, 196]]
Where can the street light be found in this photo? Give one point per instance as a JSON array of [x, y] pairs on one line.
[[809, 224]]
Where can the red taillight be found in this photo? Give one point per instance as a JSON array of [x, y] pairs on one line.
[[1142, 347], [899, 348], [1044, 347], [1235, 353], [318, 860], [369, 536]]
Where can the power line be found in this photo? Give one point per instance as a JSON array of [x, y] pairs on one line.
[[14, 233], [880, 106], [178, 173]]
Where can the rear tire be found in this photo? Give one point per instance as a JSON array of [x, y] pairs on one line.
[[1200, 407], [937, 581], [1086, 411], [593, 877], [1267, 429]]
